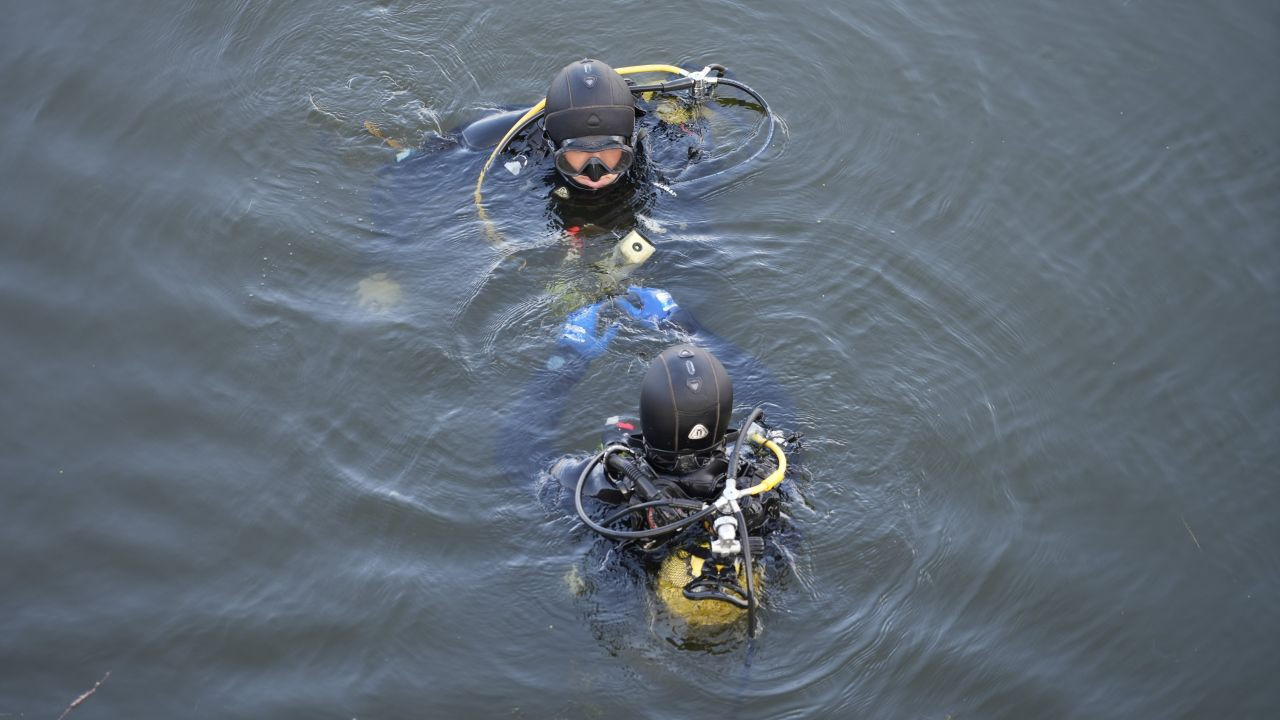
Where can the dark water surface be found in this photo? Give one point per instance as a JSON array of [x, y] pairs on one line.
[[1016, 265]]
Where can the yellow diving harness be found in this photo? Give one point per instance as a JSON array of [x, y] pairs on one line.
[[700, 82], [714, 584]]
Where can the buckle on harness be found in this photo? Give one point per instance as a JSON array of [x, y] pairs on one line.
[[717, 583]]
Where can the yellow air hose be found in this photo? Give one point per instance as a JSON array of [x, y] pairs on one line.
[[477, 198], [775, 477]]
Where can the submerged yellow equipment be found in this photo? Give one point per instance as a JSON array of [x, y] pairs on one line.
[[681, 573], [682, 567]]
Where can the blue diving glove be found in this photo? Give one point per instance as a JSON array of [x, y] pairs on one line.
[[654, 305], [579, 332]]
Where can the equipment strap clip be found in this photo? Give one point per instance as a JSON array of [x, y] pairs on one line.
[[717, 583]]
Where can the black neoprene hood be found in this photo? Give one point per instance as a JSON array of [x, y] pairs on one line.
[[685, 401], [589, 98]]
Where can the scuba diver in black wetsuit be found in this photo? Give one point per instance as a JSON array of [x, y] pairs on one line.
[[693, 498], [691, 495], [617, 157]]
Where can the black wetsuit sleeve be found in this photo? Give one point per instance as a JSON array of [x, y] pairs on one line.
[[488, 131], [528, 432]]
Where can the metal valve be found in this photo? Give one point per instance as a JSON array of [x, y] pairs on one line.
[[726, 542]]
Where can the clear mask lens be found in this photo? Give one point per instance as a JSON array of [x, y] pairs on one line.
[[593, 158]]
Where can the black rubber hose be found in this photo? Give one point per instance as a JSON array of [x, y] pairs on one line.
[[768, 140], [756, 412], [661, 502], [626, 534], [743, 87], [749, 571], [642, 480], [681, 84]]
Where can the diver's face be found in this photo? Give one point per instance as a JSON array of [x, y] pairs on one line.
[[579, 158]]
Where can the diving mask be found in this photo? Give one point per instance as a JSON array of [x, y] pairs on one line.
[[594, 156]]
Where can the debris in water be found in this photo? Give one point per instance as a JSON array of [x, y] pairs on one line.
[[84, 696], [1193, 535], [378, 293]]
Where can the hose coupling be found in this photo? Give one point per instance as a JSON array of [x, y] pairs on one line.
[[701, 81], [727, 503]]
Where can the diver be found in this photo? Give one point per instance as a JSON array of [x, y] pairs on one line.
[[600, 156], [695, 499], [542, 220]]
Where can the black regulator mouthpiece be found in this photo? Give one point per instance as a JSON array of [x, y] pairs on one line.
[[685, 403], [594, 169]]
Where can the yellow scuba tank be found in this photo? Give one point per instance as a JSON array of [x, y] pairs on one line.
[[679, 569]]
